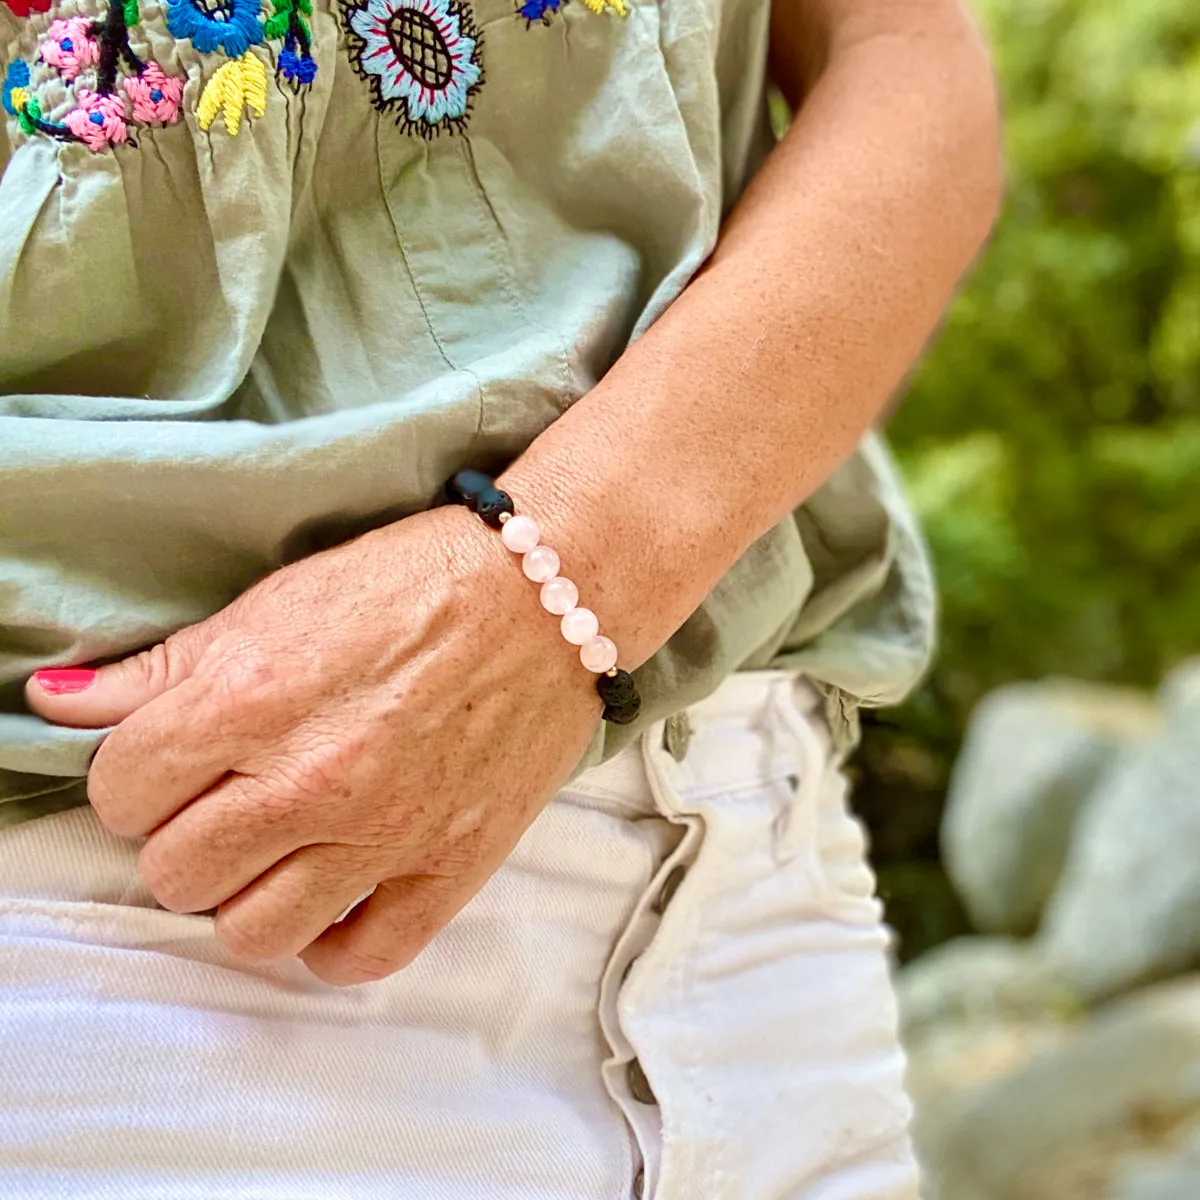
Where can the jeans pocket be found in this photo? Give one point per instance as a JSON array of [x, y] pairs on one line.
[[820, 822]]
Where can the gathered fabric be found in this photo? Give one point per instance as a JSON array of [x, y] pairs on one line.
[[676, 987]]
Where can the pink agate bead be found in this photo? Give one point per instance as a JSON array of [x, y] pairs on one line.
[[599, 655], [580, 625], [540, 564], [559, 596], [520, 534]]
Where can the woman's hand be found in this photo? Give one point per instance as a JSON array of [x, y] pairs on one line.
[[391, 714]]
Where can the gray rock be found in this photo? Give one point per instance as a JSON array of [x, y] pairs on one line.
[[1072, 1122], [1127, 907], [1175, 1179], [977, 1008], [1032, 755], [1175, 1184], [979, 981], [1180, 694]]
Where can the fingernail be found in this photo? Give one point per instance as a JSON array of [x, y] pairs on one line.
[[65, 681]]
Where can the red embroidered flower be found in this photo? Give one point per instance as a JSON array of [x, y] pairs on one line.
[[22, 8]]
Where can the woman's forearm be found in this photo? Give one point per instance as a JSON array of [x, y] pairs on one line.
[[829, 277]]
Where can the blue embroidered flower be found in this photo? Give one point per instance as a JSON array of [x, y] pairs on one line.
[[300, 68], [16, 80], [232, 26], [539, 10]]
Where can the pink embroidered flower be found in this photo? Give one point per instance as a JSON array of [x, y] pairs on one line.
[[70, 48], [22, 8], [99, 121], [156, 95]]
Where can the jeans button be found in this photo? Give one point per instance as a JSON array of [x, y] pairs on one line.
[[677, 735], [639, 1085], [669, 888]]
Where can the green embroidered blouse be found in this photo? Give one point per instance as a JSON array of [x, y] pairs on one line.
[[268, 276]]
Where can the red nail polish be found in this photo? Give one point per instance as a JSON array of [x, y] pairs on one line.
[[65, 681]]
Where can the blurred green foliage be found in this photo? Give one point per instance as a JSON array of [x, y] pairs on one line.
[[1052, 437]]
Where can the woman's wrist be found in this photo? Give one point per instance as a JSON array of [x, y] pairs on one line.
[[489, 589], [643, 558], [559, 595]]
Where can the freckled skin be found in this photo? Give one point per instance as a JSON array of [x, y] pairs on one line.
[[396, 711], [408, 740]]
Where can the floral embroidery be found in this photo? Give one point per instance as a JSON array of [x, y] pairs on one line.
[[238, 85], [127, 92], [15, 92], [542, 10], [620, 7], [23, 8], [70, 48], [539, 10], [295, 61], [113, 35], [232, 26], [19, 102], [98, 121], [102, 114], [421, 58], [155, 95]]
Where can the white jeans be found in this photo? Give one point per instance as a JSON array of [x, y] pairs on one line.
[[676, 987]]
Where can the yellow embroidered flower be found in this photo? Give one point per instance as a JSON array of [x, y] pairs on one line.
[[238, 85], [620, 7]]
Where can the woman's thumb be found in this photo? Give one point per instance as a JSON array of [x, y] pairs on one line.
[[95, 698]]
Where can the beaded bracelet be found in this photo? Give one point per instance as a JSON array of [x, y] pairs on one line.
[[580, 626]]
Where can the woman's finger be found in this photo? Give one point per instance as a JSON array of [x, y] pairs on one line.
[[94, 698], [179, 745], [387, 930], [220, 844], [159, 760], [293, 904]]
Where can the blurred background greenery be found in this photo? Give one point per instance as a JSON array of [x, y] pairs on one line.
[[1051, 439], [1035, 808]]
